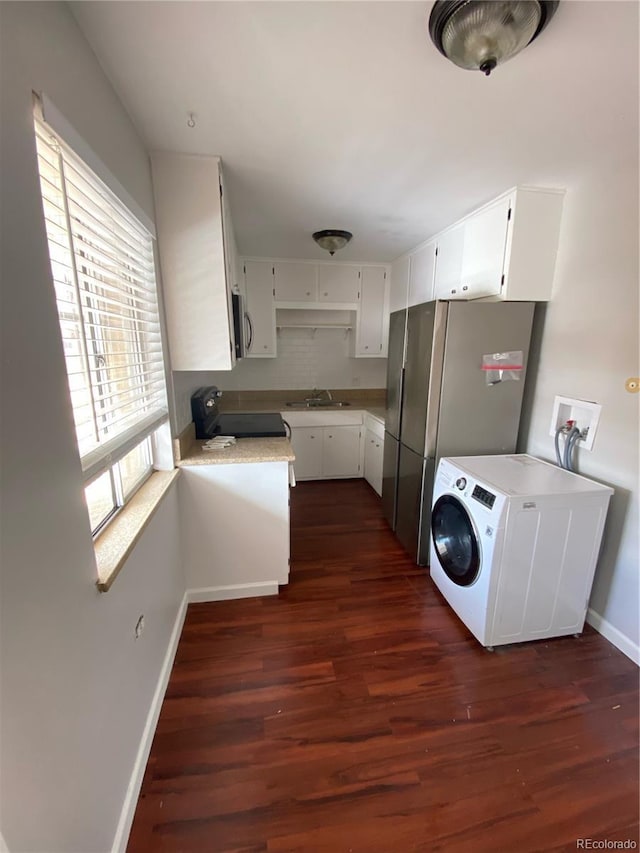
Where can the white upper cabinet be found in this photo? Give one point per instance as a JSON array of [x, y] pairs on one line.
[[449, 263], [399, 284], [532, 244], [315, 291], [505, 250], [260, 311], [338, 283], [295, 282], [421, 274], [232, 265], [510, 246], [192, 234], [485, 238], [372, 316]]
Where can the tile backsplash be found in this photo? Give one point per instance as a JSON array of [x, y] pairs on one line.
[[306, 359]]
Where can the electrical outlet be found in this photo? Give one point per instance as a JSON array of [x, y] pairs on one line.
[[139, 627], [584, 414]]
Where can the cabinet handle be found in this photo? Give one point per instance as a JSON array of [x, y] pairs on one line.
[[308, 293], [465, 287], [250, 327], [366, 347], [454, 291], [326, 294], [330, 436], [312, 436]]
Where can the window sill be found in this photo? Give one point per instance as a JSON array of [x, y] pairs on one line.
[[114, 545]]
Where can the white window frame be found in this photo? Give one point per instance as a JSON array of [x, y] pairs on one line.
[[117, 316]]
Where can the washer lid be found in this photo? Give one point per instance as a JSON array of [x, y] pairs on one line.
[[522, 475]]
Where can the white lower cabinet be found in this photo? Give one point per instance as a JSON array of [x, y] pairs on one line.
[[235, 520], [341, 451], [373, 452], [307, 446], [327, 445]]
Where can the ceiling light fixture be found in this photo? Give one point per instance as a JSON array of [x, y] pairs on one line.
[[481, 34], [332, 240]]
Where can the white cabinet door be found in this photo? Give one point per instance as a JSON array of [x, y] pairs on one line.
[[372, 319], [449, 263], [532, 244], [399, 284], [260, 313], [421, 275], [307, 447], [295, 282], [338, 283], [233, 268], [341, 451], [373, 456], [485, 238], [191, 245]]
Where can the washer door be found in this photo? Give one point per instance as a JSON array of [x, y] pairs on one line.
[[455, 540]]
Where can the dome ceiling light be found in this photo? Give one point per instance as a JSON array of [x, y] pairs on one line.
[[332, 240], [481, 34]]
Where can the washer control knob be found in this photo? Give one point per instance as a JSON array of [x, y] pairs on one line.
[[461, 483]]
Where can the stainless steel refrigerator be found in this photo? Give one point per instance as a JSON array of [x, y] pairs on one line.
[[443, 400]]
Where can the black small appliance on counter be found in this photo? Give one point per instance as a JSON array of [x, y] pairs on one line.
[[210, 422]]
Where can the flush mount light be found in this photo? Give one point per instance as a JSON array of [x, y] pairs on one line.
[[480, 34], [332, 240]]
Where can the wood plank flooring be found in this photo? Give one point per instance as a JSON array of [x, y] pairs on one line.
[[354, 713]]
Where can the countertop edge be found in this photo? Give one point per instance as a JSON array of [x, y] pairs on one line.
[[245, 451]]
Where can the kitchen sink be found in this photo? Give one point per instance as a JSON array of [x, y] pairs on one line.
[[317, 404]]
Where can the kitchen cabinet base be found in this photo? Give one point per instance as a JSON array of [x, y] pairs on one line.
[[235, 528]]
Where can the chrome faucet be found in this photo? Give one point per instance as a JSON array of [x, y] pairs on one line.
[[317, 395]]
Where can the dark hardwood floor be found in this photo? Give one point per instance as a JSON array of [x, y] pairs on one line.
[[354, 713]]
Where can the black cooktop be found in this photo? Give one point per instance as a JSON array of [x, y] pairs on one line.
[[210, 422], [249, 425]]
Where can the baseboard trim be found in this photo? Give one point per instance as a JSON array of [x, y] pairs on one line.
[[135, 782], [617, 638], [227, 593]]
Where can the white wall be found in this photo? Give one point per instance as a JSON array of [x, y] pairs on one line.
[[305, 360], [76, 686], [588, 347]]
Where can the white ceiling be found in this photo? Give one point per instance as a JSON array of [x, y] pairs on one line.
[[344, 115]]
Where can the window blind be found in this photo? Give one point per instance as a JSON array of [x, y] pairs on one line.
[[104, 275]]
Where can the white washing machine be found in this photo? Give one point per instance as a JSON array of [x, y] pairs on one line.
[[514, 545]]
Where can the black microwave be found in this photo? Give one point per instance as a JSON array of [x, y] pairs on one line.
[[238, 325]]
